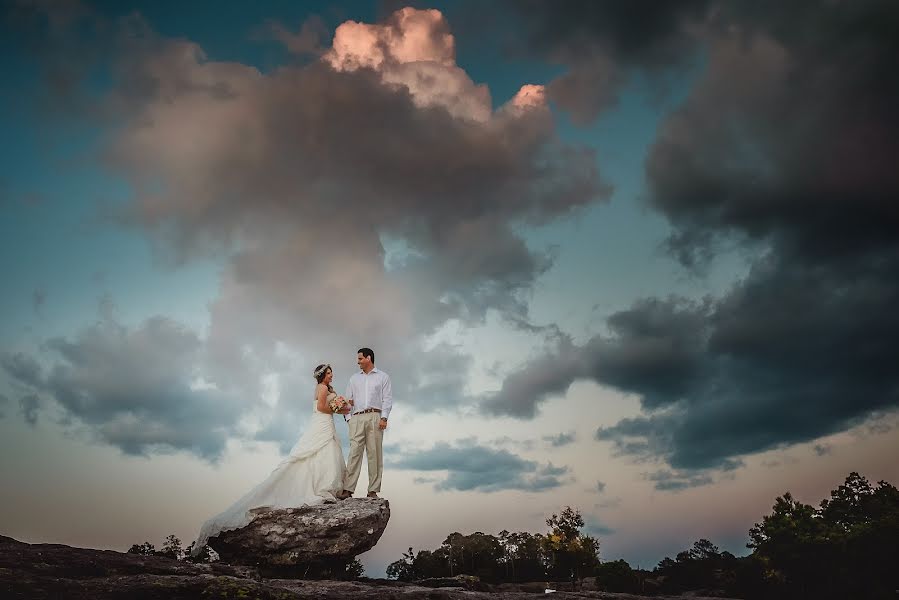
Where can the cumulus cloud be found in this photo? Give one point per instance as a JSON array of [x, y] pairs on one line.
[[473, 467], [135, 389], [296, 178], [277, 170]]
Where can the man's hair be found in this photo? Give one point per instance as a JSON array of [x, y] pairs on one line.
[[367, 352]]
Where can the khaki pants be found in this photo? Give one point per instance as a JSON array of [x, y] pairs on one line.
[[365, 435]]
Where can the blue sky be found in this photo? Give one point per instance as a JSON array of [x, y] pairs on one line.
[[648, 254]]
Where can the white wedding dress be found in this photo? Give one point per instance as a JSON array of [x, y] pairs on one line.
[[311, 474]]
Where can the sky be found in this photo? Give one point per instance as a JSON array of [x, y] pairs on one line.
[[641, 259]]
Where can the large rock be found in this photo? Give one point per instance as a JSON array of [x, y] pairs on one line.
[[327, 534]]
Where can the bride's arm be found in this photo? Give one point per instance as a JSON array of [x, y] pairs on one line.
[[321, 399]]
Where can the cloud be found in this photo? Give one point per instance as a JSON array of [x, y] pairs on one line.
[[774, 361], [823, 449], [277, 170], [602, 44], [668, 481], [271, 173], [735, 160], [769, 151], [307, 41], [597, 528], [29, 406], [22, 368], [561, 439], [135, 389], [472, 467]]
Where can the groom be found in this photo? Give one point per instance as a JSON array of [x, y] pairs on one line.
[[369, 390]]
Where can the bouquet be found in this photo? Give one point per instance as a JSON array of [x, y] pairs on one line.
[[337, 403]]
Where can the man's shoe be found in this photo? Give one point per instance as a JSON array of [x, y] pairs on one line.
[[372, 494], [344, 495]]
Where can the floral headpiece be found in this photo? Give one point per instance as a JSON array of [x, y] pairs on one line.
[[318, 372]]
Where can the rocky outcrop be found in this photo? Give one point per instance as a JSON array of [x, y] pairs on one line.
[[52, 571], [327, 534]]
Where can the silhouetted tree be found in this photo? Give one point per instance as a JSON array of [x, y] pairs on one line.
[[147, 549], [845, 548], [617, 576]]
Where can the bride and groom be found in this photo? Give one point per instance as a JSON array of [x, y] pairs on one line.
[[314, 471]]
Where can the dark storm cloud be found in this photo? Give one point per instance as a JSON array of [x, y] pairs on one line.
[[472, 467], [656, 350], [601, 44], [789, 137], [788, 355], [132, 389], [787, 144]]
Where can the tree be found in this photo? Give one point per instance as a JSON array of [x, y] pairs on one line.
[[703, 566], [147, 549], [572, 554], [171, 548], [845, 548], [354, 569], [617, 576], [404, 568]]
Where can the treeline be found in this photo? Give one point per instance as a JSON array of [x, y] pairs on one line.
[[563, 553], [847, 547]]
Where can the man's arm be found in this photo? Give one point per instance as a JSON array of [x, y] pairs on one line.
[[386, 398]]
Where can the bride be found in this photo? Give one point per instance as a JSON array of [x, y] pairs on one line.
[[311, 474]]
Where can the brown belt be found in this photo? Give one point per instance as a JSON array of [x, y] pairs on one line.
[[367, 410]]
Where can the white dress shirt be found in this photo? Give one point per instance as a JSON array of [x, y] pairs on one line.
[[371, 390]]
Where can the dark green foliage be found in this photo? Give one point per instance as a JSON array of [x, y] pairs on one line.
[[702, 567], [564, 553], [147, 549], [617, 576], [845, 548]]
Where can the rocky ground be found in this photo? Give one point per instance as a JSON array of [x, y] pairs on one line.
[[267, 559], [52, 571]]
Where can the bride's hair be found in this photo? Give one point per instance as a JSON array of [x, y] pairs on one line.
[[320, 372]]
